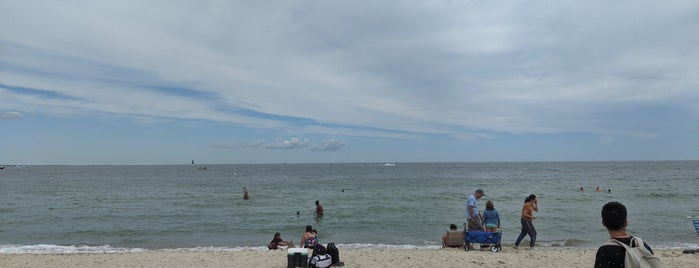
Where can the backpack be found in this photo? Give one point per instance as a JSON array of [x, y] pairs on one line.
[[637, 255], [334, 252], [311, 242]]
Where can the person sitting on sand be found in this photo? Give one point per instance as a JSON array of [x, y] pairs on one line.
[[277, 241], [309, 239], [491, 217], [445, 237]]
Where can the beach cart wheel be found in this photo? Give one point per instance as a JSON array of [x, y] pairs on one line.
[[495, 248]]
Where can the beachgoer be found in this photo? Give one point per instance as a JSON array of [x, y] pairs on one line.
[[246, 196], [598, 189], [491, 217], [277, 241], [614, 219], [445, 237], [609, 191], [582, 189], [472, 216], [319, 209], [309, 239], [530, 205]]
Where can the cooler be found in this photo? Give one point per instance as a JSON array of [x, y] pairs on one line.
[[297, 257]]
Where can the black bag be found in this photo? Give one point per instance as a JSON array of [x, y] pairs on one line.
[[334, 252]]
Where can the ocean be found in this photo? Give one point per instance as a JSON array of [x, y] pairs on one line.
[[119, 208]]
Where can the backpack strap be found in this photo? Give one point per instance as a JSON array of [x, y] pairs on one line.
[[639, 242], [614, 242], [635, 242]]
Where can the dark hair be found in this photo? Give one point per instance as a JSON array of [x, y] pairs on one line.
[[309, 228], [614, 216], [489, 205], [277, 234], [529, 198], [317, 202], [453, 227]]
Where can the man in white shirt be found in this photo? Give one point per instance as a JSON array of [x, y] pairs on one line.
[[472, 216]]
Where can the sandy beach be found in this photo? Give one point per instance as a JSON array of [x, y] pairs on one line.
[[351, 257]]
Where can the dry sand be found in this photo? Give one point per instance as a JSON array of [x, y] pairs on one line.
[[539, 258]]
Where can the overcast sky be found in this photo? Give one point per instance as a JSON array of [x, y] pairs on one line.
[[167, 82]]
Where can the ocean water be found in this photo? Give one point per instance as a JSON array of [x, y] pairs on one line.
[[48, 209]]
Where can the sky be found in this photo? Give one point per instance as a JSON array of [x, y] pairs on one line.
[[219, 82]]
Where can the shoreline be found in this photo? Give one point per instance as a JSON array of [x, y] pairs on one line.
[[508, 257]]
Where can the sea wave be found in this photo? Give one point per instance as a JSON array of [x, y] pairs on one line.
[[78, 249], [59, 249]]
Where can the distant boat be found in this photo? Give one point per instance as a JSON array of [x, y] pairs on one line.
[[389, 164], [2, 167]]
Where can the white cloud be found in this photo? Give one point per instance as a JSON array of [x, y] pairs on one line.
[[291, 143], [328, 145], [10, 115]]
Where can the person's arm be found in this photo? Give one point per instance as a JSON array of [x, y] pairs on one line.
[[535, 205], [497, 216]]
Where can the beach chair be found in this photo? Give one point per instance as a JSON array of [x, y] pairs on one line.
[[696, 228], [455, 239]]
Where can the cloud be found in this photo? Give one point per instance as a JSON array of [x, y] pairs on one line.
[[328, 145], [292, 143], [10, 115], [379, 69]]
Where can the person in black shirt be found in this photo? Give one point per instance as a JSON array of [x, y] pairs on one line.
[[614, 218]]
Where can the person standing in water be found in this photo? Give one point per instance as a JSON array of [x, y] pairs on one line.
[[246, 196], [319, 209]]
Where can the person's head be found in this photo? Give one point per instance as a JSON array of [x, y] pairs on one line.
[[317, 202], [489, 205], [479, 193], [530, 198], [277, 235], [614, 216], [453, 227], [309, 228]]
